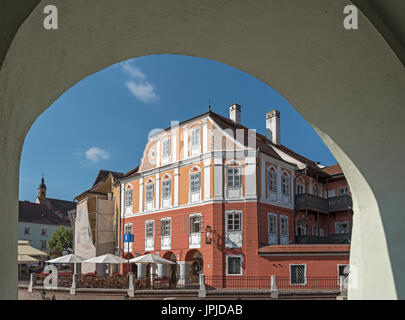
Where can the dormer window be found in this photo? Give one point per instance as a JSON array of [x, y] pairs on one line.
[[166, 150], [195, 141]]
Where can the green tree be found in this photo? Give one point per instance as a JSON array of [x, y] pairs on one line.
[[61, 240]]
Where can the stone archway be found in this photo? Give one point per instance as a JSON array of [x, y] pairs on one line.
[[330, 75], [196, 261]]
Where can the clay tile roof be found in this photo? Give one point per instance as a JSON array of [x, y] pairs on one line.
[[333, 170], [305, 249], [264, 145], [38, 213]]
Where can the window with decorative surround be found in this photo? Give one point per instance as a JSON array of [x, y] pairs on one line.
[[195, 228], [149, 235], [128, 197], [195, 185], [149, 195], [165, 232], [284, 234], [285, 185], [298, 274], [165, 227], [166, 191], [233, 173], [233, 229], [272, 181], [166, 150], [195, 147]]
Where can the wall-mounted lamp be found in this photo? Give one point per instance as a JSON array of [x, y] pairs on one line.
[[208, 234]]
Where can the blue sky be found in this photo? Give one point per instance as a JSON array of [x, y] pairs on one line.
[[103, 121]]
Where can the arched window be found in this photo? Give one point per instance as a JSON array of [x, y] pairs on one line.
[[128, 196], [272, 180], [285, 184], [149, 189], [166, 187], [195, 180]]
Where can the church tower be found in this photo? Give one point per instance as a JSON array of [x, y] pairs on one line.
[[42, 189]]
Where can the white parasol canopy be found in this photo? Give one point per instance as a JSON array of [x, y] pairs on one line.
[[150, 258], [69, 258], [106, 258]]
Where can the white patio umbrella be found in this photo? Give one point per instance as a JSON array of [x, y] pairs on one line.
[[150, 258], [69, 258], [107, 259]]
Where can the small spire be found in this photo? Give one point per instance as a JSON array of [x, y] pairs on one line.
[[209, 104]]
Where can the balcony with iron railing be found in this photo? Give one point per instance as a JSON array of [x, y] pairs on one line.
[[306, 201]]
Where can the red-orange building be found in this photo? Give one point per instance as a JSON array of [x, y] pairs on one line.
[[223, 200]]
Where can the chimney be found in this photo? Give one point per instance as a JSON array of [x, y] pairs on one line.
[[273, 126], [235, 113]]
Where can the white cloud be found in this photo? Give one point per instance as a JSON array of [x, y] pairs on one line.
[[143, 91], [133, 71], [95, 154], [138, 84]]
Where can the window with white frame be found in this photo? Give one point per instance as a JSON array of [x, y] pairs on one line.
[[284, 225], [300, 188], [272, 228], [195, 141], [195, 224], [149, 229], [195, 184], [233, 221], [285, 185], [166, 188], [272, 223], [233, 177], [234, 265], [43, 232], [43, 245], [149, 192], [128, 197], [165, 225], [342, 227], [272, 181], [298, 273], [166, 151]]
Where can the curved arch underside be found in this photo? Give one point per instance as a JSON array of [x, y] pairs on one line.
[[347, 84]]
